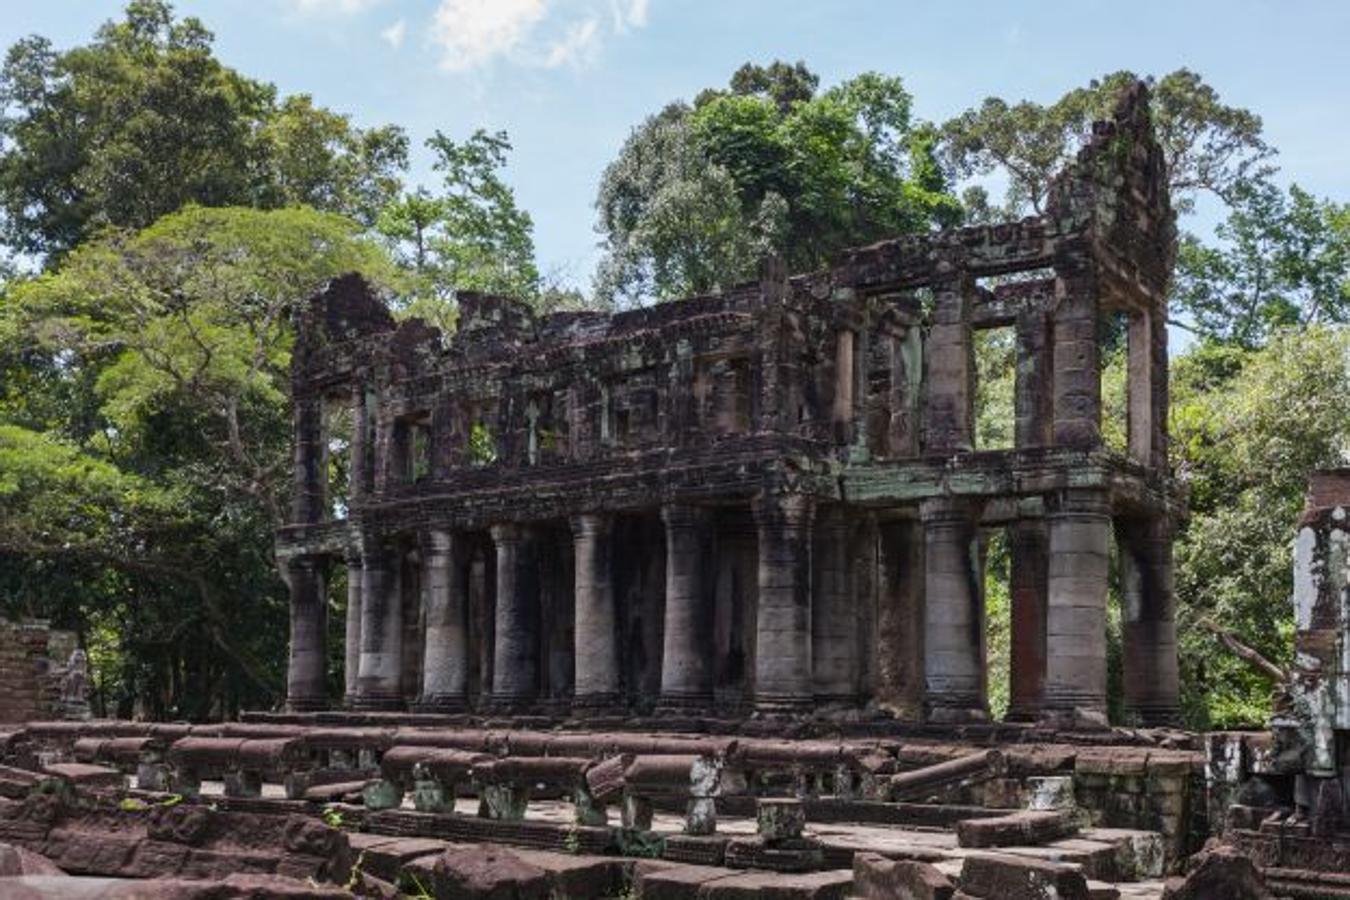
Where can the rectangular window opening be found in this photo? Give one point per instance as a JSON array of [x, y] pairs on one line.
[[995, 352]]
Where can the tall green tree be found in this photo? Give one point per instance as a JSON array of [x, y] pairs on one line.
[[156, 504], [1210, 146], [1281, 259], [698, 194], [471, 235], [144, 119]]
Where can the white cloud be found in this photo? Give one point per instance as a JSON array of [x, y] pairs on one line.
[[340, 7], [578, 46], [543, 33], [472, 32], [394, 34]]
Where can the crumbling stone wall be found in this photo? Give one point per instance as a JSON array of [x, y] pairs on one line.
[[768, 499], [33, 667]]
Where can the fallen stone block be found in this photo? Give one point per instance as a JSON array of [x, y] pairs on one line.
[[15, 861], [777, 886], [1018, 878], [579, 877], [1025, 828], [676, 882], [487, 872], [919, 784], [1220, 872], [877, 878], [85, 775]]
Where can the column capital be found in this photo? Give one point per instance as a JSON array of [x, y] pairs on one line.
[[963, 510], [506, 533], [789, 510], [592, 524], [438, 541], [1090, 502], [683, 515]]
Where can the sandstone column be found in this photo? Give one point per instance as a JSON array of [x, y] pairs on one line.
[[1077, 379], [379, 680], [834, 620], [445, 659], [306, 671], [954, 627], [783, 678], [1152, 686], [308, 503], [515, 667], [352, 648], [596, 656], [686, 665], [1078, 526], [1028, 564], [949, 406]]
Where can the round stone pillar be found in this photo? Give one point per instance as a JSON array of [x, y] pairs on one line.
[[783, 680], [515, 668], [379, 680], [686, 670], [1079, 529], [597, 647], [954, 625], [445, 658], [307, 668], [352, 647]]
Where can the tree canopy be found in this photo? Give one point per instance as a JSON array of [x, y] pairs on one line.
[[698, 194]]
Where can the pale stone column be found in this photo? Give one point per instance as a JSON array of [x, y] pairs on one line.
[[954, 624], [306, 670], [834, 620], [686, 670], [1028, 562], [515, 667], [379, 680], [949, 405], [1079, 528], [445, 658], [352, 648], [783, 679], [596, 656], [1152, 682]]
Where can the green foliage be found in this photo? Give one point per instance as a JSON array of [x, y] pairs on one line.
[[470, 237], [144, 119], [144, 522], [1209, 146], [1282, 260], [698, 195], [1247, 429], [482, 445]]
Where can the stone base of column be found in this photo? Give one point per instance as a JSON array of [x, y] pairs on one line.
[[1020, 714], [783, 704], [597, 703], [378, 703], [1159, 716], [306, 704], [838, 699], [1073, 718], [442, 703], [510, 704], [954, 711], [683, 703]]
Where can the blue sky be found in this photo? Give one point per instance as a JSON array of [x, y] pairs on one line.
[[568, 79]]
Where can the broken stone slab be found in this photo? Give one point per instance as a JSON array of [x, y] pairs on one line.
[[487, 872], [877, 878], [778, 819], [230, 887], [918, 784], [1219, 872], [834, 885], [85, 775], [16, 861], [1047, 792], [1023, 828], [1000, 877]]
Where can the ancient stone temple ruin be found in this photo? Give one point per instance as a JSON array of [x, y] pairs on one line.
[[768, 500]]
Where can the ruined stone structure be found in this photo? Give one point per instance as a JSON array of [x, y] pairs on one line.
[[768, 499]]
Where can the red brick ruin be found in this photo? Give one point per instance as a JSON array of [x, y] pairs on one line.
[[688, 602]]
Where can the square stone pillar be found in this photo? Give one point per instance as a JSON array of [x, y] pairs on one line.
[[596, 656], [1148, 620], [515, 660], [310, 455], [834, 619], [783, 671], [352, 647], [1029, 561], [954, 622], [359, 478], [686, 664], [445, 658], [1077, 378], [1078, 524], [949, 404], [379, 680], [306, 671]]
